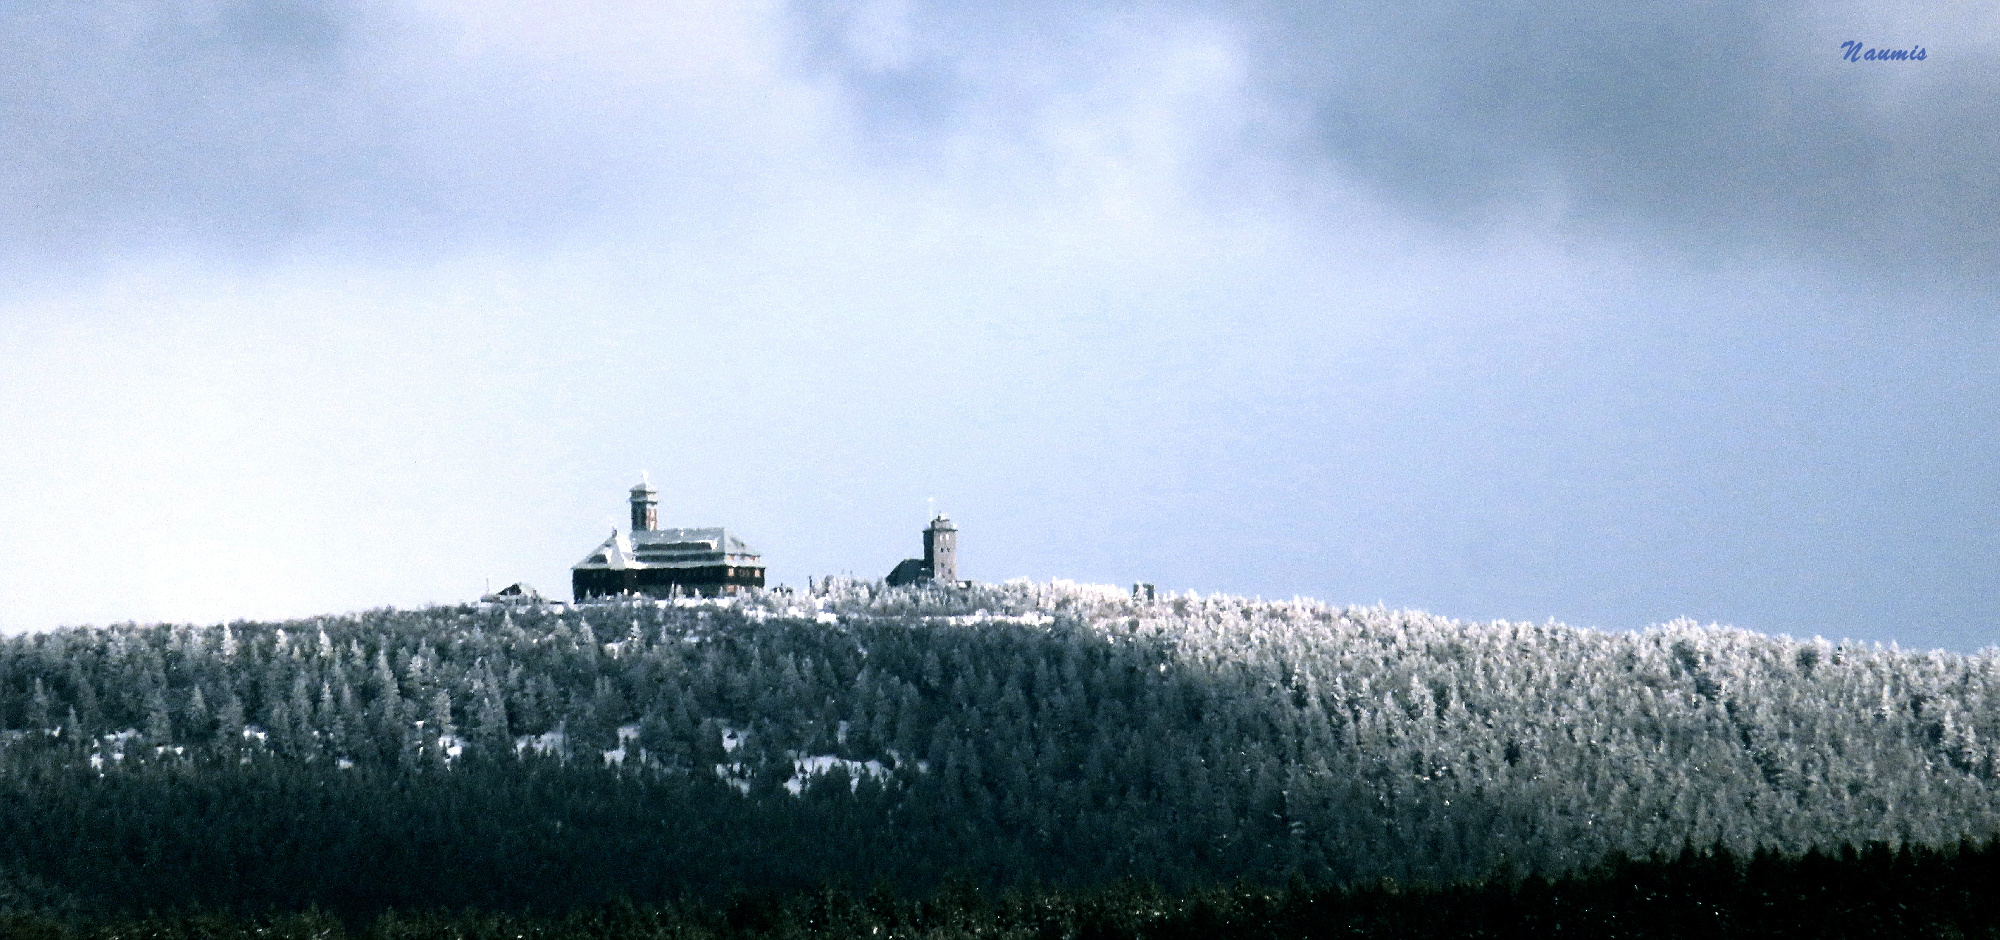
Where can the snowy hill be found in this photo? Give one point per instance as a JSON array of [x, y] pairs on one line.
[[1058, 732]]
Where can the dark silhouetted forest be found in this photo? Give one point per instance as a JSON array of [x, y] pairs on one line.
[[1876, 892]]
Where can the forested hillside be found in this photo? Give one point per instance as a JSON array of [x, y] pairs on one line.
[[1061, 734]]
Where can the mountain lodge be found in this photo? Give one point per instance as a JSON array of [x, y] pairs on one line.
[[654, 562]]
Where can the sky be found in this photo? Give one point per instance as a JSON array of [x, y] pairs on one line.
[[1611, 314]]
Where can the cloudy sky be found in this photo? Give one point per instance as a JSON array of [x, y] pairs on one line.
[[1604, 313]]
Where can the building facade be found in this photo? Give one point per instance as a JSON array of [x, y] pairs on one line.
[[654, 562]]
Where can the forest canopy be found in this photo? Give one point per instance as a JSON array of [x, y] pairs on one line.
[[517, 757]]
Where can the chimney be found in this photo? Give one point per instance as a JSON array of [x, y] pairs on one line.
[[645, 509]]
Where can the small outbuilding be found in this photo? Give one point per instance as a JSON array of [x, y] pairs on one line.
[[516, 594]]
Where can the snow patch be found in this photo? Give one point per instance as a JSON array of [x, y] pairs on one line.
[[1030, 619], [806, 768], [616, 756], [1109, 593], [735, 775], [896, 761], [544, 744]]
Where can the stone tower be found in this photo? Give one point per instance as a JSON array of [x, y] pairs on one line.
[[645, 508], [941, 550]]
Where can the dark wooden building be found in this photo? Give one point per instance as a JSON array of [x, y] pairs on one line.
[[656, 562]]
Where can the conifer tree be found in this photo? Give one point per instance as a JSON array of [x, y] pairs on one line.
[[38, 708], [159, 729], [229, 720]]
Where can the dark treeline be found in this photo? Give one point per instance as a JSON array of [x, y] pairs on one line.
[[1878, 892], [546, 758]]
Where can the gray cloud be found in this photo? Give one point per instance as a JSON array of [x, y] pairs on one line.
[[128, 124], [1717, 129], [243, 127], [1730, 126], [1379, 289]]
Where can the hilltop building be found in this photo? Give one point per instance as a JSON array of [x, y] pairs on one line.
[[940, 562], [654, 562], [516, 594]]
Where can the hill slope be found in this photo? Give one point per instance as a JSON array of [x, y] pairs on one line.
[[1059, 733]]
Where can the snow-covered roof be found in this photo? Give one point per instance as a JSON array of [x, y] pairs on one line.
[[512, 593], [669, 548]]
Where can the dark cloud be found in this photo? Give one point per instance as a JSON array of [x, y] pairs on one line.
[[1720, 128], [1729, 126]]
